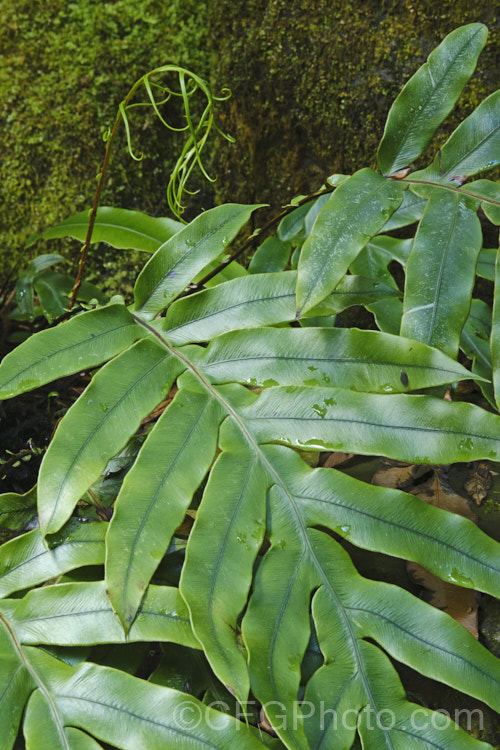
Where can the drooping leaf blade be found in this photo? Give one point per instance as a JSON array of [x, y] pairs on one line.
[[214, 605], [16, 685], [24, 286], [176, 263], [273, 255], [17, 511], [486, 263], [363, 671], [348, 358], [418, 429], [303, 559], [76, 614], [440, 272], [357, 210], [258, 300], [291, 227], [119, 227], [410, 211], [42, 729], [145, 519], [429, 96], [488, 190], [25, 561], [99, 424], [390, 521], [115, 707], [473, 147], [495, 336], [84, 342], [475, 343]]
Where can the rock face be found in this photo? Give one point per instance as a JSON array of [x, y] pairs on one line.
[[312, 83], [64, 69]]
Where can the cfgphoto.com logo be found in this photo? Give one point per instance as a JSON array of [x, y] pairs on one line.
[[190, 714]]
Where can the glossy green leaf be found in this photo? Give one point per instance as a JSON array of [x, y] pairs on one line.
[[81, 614], [328, 321], [114, 707], [394, 248], [41, 262], [475, 343], [491, 192], [440, 272], [473, 147], [177, 261], [373, 260], [260, 299], [429, 96], [25, 561], [24, 287], [362, 673], [301, 561], [41, 728], [354, 290], [418, 429], [486, 263], [314, 210], [273, 255], [277, 610], [98, 426], [187, 428], [16, 685], [387, 313], [257, 300], [337, 179], [495, 337], [410, 211], [215, 601], [53, 290], [118, 227], [347, 358], [390, 521], [356, 211], [291, 226], [17, 511], [85, 341]]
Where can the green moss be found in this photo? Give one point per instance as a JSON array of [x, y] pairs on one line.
[[64, 69], [312, 83]]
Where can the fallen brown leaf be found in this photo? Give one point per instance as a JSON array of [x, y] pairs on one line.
[[336, 459], [456, 601], [397, 475], [436, 491], [187, 523], [265, 724], [479, 481], [459, 602]]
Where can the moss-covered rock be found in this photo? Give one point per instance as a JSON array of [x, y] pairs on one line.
[[64, 68], [312, 83]]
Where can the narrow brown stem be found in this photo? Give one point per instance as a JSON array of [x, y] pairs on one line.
[[95, 204], [453, 189], [93, 213], [253, 238]]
